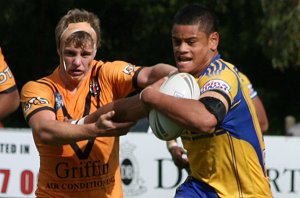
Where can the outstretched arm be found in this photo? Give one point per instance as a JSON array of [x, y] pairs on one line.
[[131, 108], [48, 130]]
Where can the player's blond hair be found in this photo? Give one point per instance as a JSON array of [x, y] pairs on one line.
[[77, 16]]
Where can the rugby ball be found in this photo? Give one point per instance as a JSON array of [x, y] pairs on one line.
[[180, 85]]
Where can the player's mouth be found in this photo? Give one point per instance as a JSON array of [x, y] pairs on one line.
[[182, 61], [76, 72]]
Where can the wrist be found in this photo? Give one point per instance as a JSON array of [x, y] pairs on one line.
[[171, 145], [78, 122], [143, 92]]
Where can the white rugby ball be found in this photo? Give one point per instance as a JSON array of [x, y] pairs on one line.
[[180, 85]]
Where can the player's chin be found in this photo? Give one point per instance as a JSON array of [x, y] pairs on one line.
[[184, 66], [76, 73], [76, 78]]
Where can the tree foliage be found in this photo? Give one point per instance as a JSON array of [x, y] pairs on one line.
[[280, 35]]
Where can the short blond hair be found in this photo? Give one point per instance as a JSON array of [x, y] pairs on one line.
[[76, 16]]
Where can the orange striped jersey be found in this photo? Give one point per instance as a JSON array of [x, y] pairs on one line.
[[7, 80], [87, 168], [230, 160]]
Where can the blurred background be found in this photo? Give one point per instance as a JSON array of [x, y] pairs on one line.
[[261, 37]]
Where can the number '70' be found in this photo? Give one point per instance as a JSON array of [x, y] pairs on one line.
[[26, 181]]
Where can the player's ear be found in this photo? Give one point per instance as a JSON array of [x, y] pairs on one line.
[[213, 40]]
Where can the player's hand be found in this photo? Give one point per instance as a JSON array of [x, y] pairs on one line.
[[150, 89], [107, 127], [173, 73], [156, 85], [179, 157]]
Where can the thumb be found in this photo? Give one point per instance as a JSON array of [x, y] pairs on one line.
[[108, 115]]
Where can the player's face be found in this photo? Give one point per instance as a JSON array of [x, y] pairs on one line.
[[76, 61], [193, 49]]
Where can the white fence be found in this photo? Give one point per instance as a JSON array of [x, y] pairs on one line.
[[146, 165]]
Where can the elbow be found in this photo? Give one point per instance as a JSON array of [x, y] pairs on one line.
[[45, 138], [43, 135], [264, 126]]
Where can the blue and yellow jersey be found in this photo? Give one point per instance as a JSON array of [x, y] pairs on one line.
[[231, 160], [88, 168]]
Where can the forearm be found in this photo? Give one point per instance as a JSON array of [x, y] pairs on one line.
[[149, 75], [128, 109], [54, 132], [161, 70]]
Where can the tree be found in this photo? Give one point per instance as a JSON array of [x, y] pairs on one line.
[[280, 35], [261, 37]]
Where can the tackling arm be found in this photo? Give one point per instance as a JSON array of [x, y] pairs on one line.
[[131, 108], [48, 130]]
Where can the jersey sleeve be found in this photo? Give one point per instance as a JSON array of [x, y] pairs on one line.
[[223, 81], [246, 82], [7, 80], [36, 97], [120, 77]]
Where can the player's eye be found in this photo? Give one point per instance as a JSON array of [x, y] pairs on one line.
[[191, 41], [69, 53], [176, 42], [86, 54]]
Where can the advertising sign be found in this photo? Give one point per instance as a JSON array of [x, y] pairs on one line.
[[146, 166]]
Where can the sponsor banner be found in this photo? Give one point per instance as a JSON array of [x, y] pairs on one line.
[[146, 166], [19, 163]]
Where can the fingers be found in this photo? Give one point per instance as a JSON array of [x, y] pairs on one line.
[[179, 157], [158, 83], [107, 116], [105, 120], [66, 119], [123, 125], [106, 127], [173, 73], [117, 129]]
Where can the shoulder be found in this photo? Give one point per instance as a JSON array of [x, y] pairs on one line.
[[117, 65], [3, 64], [118, 68], [36, 87], [220, 70], [220, 76]]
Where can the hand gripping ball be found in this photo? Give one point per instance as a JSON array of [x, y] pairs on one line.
[[181, 85]]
